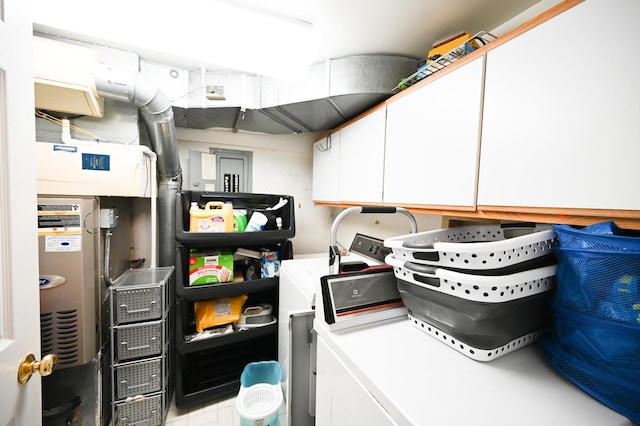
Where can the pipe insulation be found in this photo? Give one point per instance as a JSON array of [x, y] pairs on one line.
[[157, 114]]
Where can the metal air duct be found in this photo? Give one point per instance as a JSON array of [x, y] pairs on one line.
[[332, 92], [157, 114]]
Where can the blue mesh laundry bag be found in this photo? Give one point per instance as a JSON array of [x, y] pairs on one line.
[[595, 336], [604, 283], [600, 236], [598, 273], [611, 345], [617, 393]]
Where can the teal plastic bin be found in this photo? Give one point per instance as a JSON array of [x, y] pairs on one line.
[[260, 395]]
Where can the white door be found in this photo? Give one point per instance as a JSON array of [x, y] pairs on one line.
[[19, 302]]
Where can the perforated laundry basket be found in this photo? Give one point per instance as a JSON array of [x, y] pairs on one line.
[[260, 394], [506, 247]]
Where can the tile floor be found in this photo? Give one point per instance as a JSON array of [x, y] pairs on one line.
[[215, 413]]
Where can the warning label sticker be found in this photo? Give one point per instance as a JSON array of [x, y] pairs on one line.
[[62, 243], [57, 219]]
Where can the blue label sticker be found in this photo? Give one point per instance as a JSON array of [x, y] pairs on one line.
[[96, 162], [65, 148]]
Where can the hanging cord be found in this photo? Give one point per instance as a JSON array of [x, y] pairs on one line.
[[137, 262], [67, 127], [108, 221], [60, 122], [107, 252], [327, 145]]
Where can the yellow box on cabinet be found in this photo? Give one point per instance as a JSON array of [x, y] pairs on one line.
[[445, 45]]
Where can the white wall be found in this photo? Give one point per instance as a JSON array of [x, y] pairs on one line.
[[520, 19]]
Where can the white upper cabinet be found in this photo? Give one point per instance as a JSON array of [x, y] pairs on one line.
[[362, 159], [562, 113], [326, 160], [433, 141]]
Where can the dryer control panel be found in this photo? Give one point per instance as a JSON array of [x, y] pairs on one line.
[[370, 247]]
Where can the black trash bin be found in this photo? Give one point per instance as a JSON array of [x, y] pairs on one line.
[[60, 406]]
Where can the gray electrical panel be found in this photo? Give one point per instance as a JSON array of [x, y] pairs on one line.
[[220, 170]]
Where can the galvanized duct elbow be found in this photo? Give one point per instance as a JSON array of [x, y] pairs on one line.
[[156, 111], [157, 114]]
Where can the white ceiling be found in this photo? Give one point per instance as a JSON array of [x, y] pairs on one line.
[[402, 27], [344, 27]]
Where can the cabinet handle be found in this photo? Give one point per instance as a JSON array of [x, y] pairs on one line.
[[125, 420], [135, 348], [136, 311], [142, 385]]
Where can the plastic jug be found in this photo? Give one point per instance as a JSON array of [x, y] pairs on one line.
[[215, 217]]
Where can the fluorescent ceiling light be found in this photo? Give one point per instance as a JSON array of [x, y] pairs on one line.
[[207, 32]]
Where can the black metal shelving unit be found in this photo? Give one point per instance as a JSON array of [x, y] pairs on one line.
[[210, 368]]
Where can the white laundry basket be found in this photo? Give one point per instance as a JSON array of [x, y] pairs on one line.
[[260, 395]]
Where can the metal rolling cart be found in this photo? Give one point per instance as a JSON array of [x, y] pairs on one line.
[[140, 346]]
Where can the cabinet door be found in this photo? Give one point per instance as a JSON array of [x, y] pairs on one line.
[[362, 159], [326, 159], [562, 112], [340, 398], [432, 141]]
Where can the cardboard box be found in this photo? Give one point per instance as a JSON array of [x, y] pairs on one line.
[[444, 46], [210, 267]]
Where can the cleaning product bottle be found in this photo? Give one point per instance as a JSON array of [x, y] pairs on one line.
[[239, 220], [215, 217]]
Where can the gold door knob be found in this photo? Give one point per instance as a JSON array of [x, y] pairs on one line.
[[29, 365]]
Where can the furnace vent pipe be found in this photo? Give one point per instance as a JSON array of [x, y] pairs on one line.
[[157, 114]]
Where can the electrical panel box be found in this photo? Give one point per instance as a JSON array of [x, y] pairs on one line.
[[100, 169], [220, 170]]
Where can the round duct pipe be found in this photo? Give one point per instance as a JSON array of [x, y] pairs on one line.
[[157, 114]]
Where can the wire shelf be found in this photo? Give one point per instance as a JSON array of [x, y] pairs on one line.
[[433, 65]]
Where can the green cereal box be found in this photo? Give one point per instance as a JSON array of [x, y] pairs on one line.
[[210, 267]]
